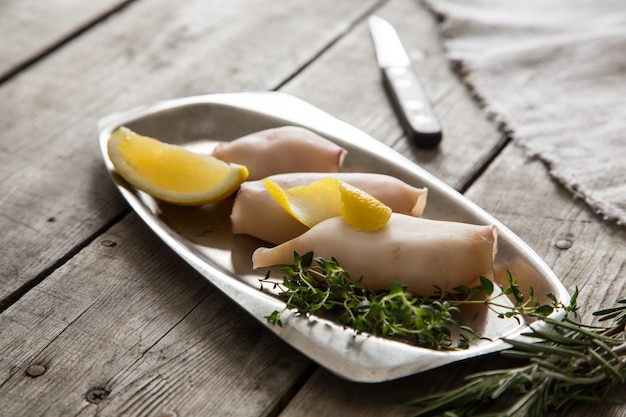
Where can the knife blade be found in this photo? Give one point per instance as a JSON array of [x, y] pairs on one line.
[[403, 87]]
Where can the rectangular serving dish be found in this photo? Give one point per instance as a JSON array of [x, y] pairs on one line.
[[202, 235]]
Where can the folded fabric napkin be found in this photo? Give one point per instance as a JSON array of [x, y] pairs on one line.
[[554, 73]]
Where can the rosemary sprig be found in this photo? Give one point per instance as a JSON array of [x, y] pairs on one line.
[[312, 288], [575, 363]]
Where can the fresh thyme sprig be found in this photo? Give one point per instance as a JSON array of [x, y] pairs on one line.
[[310, 288], [568, 364]]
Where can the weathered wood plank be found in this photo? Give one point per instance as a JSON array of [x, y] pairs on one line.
[[31, 28], [88, 324], [127, 317], [545, 214], [55, 192], [346, 82], [328, 395], [142, 319]]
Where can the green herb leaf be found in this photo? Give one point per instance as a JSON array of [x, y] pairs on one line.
[[314, 285], [486, 285]]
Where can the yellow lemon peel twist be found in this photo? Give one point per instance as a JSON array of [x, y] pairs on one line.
[[330, 197]]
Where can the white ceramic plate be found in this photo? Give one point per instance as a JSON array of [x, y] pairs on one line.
[[202, 236]]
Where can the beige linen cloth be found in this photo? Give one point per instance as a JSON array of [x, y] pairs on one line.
[[554, 73]]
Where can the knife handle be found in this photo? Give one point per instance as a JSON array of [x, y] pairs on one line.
[[411, 103]]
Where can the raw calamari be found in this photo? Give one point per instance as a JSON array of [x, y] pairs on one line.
[[256, 213], [280, 150], [411, 251]]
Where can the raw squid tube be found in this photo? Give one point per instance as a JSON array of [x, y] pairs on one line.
[[280, 150], [256, 213], [411, 251]]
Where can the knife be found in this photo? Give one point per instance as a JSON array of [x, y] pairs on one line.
[[403, 87]]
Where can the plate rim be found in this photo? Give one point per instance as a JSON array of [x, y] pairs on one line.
[[363, 364]]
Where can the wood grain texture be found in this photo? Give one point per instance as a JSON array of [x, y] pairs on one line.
[[127, 319], [126, 316], [114, 310], [542, 213], [55, 191], [346, 82], [515, 190], [31, 28]]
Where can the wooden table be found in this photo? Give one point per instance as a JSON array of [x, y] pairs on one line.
[[101, 318]]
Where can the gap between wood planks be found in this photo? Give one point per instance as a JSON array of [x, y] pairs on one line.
[[330, 44], [304, 377], [15, 296], [88, 25], [486, 162]]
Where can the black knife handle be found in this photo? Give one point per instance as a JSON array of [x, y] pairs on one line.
[[411, 103]]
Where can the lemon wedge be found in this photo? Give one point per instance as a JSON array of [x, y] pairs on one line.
[[330, 197], [170, 172]]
